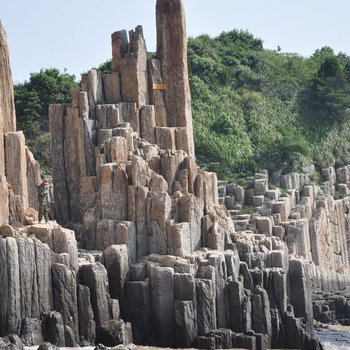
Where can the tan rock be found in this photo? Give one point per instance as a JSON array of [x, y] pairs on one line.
[[43, 232], [64, 242], [172, 52], [157, 182], [139, 172], [88, 192], [206, 189], [4, 206], [111, 84], [170, 167], [33, 179], [129, 113], [147, 118], [158, 211], [105, 234], [16, 165], [126, 234], [156, 93], [127, 134], [134, 76], [8, 231], [114, 192], [179, 240], [191, 210], [107, 116], [116, 262], [74, 159], [119, 149], [56, 118], [165, 138], [16, 212], [7, 107], [119, 49], [31, 216], [83, 105], [93, 85], [141, 221]]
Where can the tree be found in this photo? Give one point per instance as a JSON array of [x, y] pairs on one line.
[[327, 96], [32, 100]]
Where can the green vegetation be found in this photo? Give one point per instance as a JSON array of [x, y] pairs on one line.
[[255, 108], [252, 108], [32, 99]]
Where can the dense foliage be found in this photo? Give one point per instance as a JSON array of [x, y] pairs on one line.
[[252, 108], [32, 99], [255, 108]]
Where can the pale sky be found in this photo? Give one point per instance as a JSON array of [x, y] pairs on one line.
[[75, 34]]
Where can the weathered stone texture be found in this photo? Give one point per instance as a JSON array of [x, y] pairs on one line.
[[119, 48], [4, 207], [87, 326], [111, 84], [57, 130], [94, 276], [16, 165], [156, 94], [65, 296], [7, 107], [33, 179], [134, 76], [172, 51], [162, 298]]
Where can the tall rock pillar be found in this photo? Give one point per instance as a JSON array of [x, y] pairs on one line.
[[7, 119], [7, 107], [172, 52]]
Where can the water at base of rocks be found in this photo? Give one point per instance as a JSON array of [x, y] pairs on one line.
[[335, 337], [332, 338]]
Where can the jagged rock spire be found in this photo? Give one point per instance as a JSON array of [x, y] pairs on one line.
[[172, 52]]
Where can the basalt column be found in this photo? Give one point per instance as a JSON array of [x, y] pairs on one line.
[[7, 108], [7, 119], [172, 52]]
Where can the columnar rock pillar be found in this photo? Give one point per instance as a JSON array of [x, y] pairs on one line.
[[130, 61], [7, 119], [172, 52], [16, 165], [7, 107]]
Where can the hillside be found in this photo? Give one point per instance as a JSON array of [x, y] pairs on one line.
[[256, 108]]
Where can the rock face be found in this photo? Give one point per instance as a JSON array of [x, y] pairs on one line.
[[172, 52], [19, 172], [166, 256], [174, 263], [7, 108]]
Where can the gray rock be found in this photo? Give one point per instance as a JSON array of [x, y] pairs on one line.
[[53, 328], [138, 309], [65, 296], [172, 51], [87, 325], [117, 266], [95, 277], [162, 301]]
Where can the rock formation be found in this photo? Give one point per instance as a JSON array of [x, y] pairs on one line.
[[19, 172], [160, 254]]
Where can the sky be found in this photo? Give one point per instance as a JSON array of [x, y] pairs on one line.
[[74, 35]]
